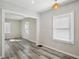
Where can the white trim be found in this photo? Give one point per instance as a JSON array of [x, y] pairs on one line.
[[73, 27], [61, 51], [3, 34], [28, 40], [1, 30], [38, 31]]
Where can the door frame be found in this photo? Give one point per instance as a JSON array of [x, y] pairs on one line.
[[3, 34]]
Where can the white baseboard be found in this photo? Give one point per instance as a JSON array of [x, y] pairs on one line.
[[62, 51], [29, 40]]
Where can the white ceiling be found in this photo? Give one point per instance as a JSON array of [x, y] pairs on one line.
[[38, 6]]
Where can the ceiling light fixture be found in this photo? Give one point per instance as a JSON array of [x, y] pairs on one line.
[[56, 5], [33, 1]]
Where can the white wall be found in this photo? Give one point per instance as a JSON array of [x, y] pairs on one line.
[[32, 28], [15, 29], [46, 30]]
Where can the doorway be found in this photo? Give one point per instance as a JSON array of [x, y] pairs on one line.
[[9, 23]]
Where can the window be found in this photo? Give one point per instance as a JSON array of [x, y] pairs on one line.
[[7, 28], [63, 28], [27, 27]]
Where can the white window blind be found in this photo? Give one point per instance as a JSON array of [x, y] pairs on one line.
[[27, 27], [63, 27], [7, 27]]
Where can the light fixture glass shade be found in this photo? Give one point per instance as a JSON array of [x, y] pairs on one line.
[[56, 6]]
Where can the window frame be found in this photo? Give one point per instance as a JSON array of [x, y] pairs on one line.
[[71, 41], [27, 29], [9, 28]]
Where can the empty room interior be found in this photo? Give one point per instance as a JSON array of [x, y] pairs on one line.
[[39, 29]]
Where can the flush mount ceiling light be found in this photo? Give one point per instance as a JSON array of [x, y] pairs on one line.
[[33, 1], [56, 5]]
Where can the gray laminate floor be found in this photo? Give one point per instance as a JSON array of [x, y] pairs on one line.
[[23, 49]]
